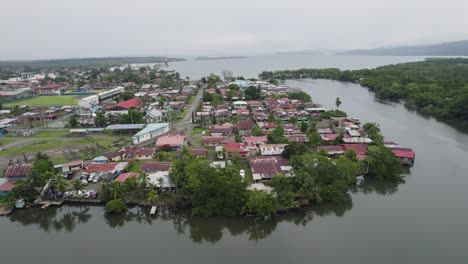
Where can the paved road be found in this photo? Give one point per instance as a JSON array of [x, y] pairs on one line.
[[185, 123]]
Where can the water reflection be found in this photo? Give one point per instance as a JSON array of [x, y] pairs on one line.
[[198, 229], [53, 219], [380, 187], [135, 214]]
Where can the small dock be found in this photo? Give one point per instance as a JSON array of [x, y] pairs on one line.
[[46, 203], [4, 210], [153, 210]]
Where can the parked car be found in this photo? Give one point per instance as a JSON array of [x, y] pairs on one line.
[[96, 178], [68, 175], [85, 182], [91, 178], [84, 177], [93, 194]]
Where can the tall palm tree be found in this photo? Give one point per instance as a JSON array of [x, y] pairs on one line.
[[161, 182], [60, 183], [115, 190], [152, 197], [77, 185]]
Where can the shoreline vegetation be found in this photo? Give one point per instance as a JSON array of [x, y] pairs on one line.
[[436, 87]]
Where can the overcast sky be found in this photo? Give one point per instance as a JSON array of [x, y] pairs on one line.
[[38, 29]]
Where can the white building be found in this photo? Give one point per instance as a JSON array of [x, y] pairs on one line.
[[272, 149], [239, 105], [154, 116], [150, 131], [88, 102]]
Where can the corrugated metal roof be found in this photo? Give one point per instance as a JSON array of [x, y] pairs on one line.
[[125, 126], [18, 170]]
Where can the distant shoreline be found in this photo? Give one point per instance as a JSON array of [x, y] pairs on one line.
[[221, 58]]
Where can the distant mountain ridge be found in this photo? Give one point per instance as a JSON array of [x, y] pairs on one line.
[[455, 48]]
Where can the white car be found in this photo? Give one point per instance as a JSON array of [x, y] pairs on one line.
[[85, 182], [91, 178], [96, 178], [242, 173]]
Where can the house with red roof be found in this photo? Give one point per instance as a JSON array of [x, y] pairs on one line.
[[328, 137], [240, 148], [175, 141], [49, 89], [332, 150], [125, 105], [156, 166], [359, 149], [199, 153], [221, 130], [267, 127], [255, 140], [406, 155], [272, 149], [6, 187], [214, 141], [17, 171], [127, 175], [245, 127], [301, 138], [267, 167]]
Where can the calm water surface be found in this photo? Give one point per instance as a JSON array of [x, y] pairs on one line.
[[421, 221]]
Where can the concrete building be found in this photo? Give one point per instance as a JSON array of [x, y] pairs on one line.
[[150, 131]]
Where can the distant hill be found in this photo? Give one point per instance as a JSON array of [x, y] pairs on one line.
[[456, 48], [88, 61]]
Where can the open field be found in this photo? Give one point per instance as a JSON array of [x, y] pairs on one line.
[[59, 100]]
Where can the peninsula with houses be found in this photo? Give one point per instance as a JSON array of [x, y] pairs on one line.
[[139, 134]]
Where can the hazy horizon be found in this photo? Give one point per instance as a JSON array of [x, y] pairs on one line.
[[55, 29]]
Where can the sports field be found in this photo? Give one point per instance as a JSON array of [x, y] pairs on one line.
[[59, 100]]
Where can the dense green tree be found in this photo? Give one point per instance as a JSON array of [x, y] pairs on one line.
[[382, 164], [284, 191], [133, 117], [261, 204], [293, 148], [252, 93], [115, 206], [372, 131], [314, 139], [277, 136], [100, 119], [216, 191], [73, 121], [257, 131], [303, 96]]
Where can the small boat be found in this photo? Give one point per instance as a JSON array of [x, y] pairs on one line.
[[45, 206], [20, 204]]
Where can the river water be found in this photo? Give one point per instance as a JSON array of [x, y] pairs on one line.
[[420, 221]]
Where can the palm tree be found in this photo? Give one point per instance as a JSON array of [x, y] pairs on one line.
[[60, 183], [77, 185], [152, 197], [161, 182], [338, 102], [115, 190]]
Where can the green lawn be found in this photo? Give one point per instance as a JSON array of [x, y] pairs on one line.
[[59, 100], [5, 141], [48, 144], [51, 134]]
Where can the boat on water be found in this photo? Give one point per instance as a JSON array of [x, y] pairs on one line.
[[20, 204]]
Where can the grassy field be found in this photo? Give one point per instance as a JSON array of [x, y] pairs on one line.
[[59, 100], [55, 144], [5, 141]]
